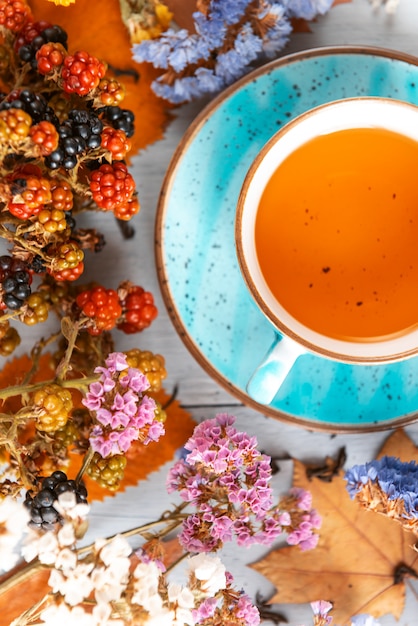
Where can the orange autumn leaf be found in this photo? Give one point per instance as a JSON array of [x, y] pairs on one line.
[[103, 34], [361, 559], [19, 597], [399, 445], [14, 371]]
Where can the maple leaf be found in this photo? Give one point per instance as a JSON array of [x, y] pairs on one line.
[[362, 561]]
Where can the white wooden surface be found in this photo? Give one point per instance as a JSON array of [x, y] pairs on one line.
[[348, 23]]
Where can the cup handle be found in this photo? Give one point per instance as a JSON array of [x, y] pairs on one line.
[[270, 374]]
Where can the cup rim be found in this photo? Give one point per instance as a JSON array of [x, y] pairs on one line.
[[364, 352]]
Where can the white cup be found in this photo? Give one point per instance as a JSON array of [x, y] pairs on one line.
[[295, 337]]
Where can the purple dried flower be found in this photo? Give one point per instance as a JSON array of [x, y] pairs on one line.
[[227, 38], [122, 412]]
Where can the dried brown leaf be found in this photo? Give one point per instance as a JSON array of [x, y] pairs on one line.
[[362, 560]]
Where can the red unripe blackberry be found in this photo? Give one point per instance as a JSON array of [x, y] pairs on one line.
[[111, 185], [30, 194], [68, 274], [116, 142], [81, 73], [45, 136], [102, 306], [14, 14], [50, 57], [127, 210], [139, 310]]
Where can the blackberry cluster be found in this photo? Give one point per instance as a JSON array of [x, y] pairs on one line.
[[120, 119], [15, 282], [43, 515], [80, 132], [36, 38], [34, 104]]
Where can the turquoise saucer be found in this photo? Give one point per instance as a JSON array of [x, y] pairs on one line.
[[195, 251]]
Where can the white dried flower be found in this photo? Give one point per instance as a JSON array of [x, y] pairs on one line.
[[13, 522], [108, 587], [67, 616], [66, 536], [146, 580], [43, 545], [183, 598], [209, 571], [74, 585], [117, 547], [69, 508], [66, 560]]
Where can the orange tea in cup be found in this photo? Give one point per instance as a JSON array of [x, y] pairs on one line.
[[326, 234], [336, 234]]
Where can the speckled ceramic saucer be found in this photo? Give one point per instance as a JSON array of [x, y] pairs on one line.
[[195, 250]]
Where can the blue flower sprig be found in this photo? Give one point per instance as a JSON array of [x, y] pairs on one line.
[[388, 486], [229, 36]]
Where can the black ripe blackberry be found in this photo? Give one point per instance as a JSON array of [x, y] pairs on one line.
[[41, 509], [34, 104], [27, 51], [78, 134], [15, 282], [37, 265], [120, 119]]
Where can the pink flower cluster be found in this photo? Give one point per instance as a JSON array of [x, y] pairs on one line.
[[122, 412], [227, 479], [300, 520]]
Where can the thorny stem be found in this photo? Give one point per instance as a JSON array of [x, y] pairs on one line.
[[71, 337], [9, 443], [86, 462], [174, 516], [18, 390]]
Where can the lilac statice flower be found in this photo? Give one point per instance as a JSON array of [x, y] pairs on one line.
[[122, 412], [230, 11], [211, 29], [227, 480], [397, 481], [320, 609], [228, 36], [301, 521], [277, 35], [307, 9]]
